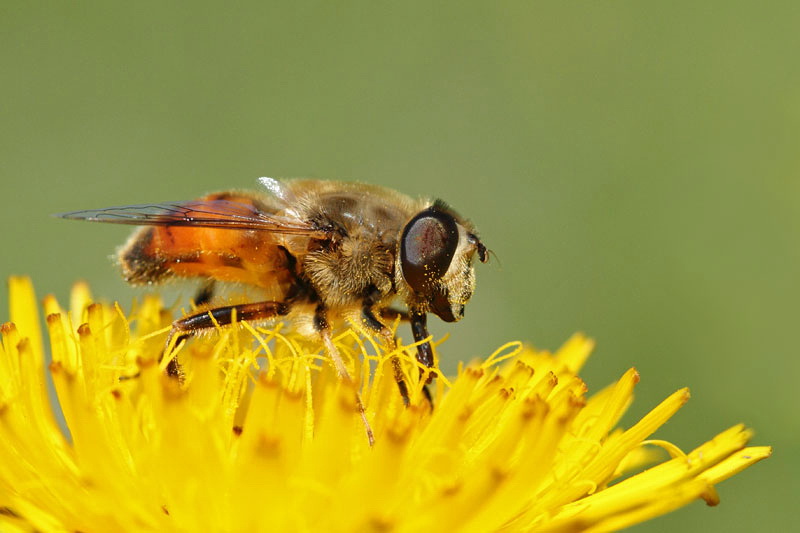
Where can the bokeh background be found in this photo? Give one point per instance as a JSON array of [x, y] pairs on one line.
[[634, 166]]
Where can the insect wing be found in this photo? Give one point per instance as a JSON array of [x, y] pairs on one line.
[[223, 214]]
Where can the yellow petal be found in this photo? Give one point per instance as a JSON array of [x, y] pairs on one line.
[[262, 435]]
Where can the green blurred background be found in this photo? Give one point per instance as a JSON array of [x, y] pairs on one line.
[[634, 165]]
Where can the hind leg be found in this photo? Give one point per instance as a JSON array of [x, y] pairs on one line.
[[199, 322]]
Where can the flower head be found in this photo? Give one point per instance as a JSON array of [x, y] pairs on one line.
[[262, 436]]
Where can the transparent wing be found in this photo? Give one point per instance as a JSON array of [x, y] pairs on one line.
[[199, 213]]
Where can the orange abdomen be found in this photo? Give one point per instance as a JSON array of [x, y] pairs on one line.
[[156, 253]]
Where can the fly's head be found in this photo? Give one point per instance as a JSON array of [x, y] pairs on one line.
[[434, 263]]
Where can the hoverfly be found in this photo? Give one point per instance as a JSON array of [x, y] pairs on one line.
[[323, 251]]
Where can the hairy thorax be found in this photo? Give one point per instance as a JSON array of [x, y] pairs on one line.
[[347, 273]]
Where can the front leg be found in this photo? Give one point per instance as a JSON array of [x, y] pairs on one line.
[[391, 314], [419, 328]]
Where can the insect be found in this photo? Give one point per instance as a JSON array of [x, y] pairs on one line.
[[323, 252]]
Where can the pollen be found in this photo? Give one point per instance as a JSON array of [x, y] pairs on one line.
[[261, 435]]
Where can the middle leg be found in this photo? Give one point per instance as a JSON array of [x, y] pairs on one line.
[[324, 329], [369, 318], [424, 350], [419, 328]]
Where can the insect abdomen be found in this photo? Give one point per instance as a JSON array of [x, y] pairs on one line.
[[156, 254], [139, 263]]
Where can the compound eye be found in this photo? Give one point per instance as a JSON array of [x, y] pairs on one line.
[[427, 247]]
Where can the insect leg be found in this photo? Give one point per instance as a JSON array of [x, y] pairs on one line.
[[323, 327], [419, 328], [187, 326], [388, 337], [205, 293], [391, 314]]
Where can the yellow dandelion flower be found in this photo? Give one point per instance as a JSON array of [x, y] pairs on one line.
[[262, 436]]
